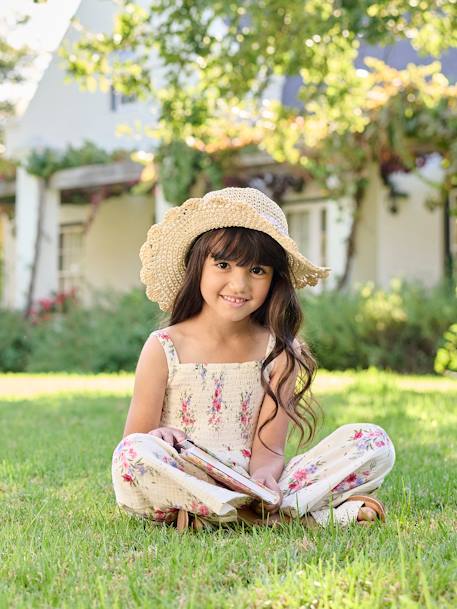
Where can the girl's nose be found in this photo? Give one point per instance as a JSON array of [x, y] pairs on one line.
[[239, 281]]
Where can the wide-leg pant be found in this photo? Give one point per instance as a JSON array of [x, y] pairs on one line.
[[151, 480]]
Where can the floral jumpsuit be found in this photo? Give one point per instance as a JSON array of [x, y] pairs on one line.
[[218, 405]]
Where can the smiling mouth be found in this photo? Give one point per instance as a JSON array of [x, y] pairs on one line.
[[234, 300]]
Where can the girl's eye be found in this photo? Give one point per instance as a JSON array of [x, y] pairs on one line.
[[258, 270]]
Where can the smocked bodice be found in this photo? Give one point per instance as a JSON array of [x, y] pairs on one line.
[[216, 404]]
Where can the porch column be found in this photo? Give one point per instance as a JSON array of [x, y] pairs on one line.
[[28, 191], [161, 204], [48, 267]]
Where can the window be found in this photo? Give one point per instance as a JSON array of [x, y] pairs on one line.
[[70, 255], [307, 222], [118, 99]]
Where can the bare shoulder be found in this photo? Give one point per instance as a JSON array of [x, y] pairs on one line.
[[179, 331], [280, 362], [151, 377], [153, 354]]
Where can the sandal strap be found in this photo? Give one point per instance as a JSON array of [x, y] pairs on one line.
[[372, 503], [182, 521]]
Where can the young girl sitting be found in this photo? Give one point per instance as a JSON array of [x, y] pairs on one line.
[[230, 373]]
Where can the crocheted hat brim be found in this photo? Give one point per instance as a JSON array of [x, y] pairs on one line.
[[163, 253]]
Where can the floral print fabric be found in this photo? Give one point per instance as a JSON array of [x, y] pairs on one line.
[[218, 405]]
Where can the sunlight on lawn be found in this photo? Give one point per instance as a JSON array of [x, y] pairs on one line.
[[29, 386], [65, 544]]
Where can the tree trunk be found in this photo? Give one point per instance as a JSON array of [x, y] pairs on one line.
[[36, 255], [350, 243]]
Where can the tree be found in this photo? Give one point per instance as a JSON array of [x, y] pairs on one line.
[[12, 63], [218, 58]]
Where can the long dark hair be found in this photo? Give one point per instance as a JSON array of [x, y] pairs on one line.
[[280, 313]]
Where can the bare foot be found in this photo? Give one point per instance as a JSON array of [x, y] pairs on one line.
[[366, 515]]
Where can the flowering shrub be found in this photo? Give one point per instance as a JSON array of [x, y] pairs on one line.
[[400, 329], [60, 302]]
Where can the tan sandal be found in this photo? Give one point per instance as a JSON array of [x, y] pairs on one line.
[[187, 520], [182, 521], [370, 502]]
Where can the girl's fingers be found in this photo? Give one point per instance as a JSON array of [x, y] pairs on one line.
[[179, 435], [168, 437], [273, 485]]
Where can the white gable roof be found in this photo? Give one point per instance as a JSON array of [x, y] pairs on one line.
[[60, 113]]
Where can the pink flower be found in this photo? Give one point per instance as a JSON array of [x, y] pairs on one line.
[[199, 508], [46, 304], [245, 452], [204, 511], [159, 515], [300, 474], [128, 478], [358, 435]]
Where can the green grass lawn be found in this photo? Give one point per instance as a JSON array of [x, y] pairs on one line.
[[64, 543]]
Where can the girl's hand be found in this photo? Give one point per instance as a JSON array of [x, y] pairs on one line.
[[171, 435], [269, 481]]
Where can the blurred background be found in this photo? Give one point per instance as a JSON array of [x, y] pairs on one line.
[[345, 113]]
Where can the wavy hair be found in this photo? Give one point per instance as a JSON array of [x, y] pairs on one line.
[[280, 314]]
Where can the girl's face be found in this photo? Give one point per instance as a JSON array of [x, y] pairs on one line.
[[233, 291]]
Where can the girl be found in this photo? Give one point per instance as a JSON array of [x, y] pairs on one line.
[[230, 372]]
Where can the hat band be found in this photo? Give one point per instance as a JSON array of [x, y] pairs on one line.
[[276, 223]]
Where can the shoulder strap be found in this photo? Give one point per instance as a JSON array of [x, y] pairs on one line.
[[168, 346], [270, 345]]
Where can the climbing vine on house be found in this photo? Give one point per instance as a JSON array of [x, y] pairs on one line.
[[7, 169], [43, 164], [212, 88], [46, 161], [404, 117]]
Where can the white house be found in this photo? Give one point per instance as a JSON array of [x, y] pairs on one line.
[[103, 253]]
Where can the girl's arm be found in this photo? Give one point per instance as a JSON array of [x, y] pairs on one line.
[[264, 462], [149, 389]]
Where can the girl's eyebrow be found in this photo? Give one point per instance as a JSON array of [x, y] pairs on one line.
[[253, 265]]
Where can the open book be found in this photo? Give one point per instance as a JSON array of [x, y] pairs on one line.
[[214, 467]]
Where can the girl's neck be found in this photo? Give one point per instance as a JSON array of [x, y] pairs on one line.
[[222, 330]]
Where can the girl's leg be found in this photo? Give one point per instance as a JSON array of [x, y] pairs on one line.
[[151, 480], [353, 460]]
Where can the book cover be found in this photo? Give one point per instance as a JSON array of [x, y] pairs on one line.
[[232, 479]]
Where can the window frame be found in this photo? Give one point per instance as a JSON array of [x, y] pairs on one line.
[[67, 278]]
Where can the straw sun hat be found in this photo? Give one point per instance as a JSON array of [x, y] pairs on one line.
[[163, 253]]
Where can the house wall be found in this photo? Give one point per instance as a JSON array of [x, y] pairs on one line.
[[60, 113], [111, 246], [365, 263], [411, 241], [407, 244]]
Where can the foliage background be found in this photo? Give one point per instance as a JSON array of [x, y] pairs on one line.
[[400, 329]]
